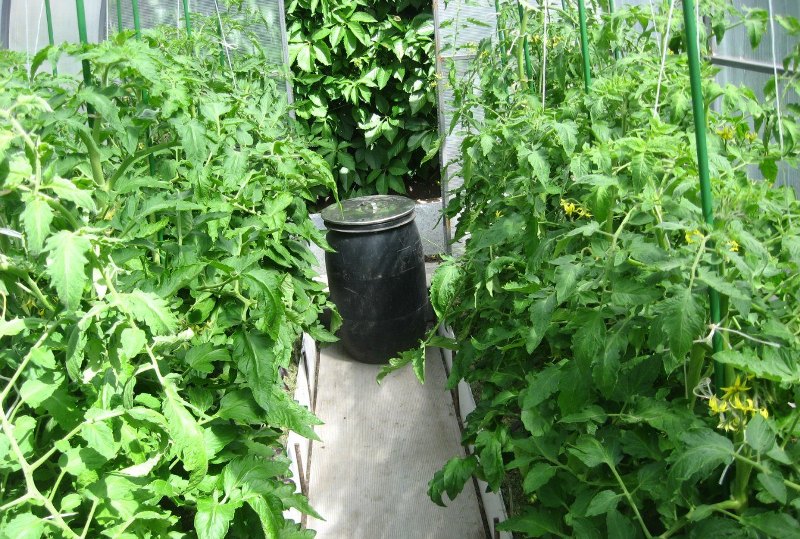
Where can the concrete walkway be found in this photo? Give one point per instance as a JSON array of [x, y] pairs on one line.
[[381, 445]]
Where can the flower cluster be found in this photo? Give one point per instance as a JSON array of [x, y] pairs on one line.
[[573, 208], [735, 406]]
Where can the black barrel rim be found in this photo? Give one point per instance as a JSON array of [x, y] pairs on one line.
[[369, 214]]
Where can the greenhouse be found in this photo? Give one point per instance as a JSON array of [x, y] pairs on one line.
[[399, 269]]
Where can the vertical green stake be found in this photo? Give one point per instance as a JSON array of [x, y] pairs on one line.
[[187, 17], [611, 9], [50, 36], [699, 109], [84, 37], [587, 71], [137, 27], [119, 15], [501, 36], [523, 24]]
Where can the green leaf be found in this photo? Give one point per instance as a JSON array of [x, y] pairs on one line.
[[774, 485], [193, 139], [588, 341], [603, 502], [9, 328], [67, 190], [186, 435], [132, 342], [444, 284], [100, 437], [253, 475], [759, 434], [213, 518], [23, 526], [620, 526], [720, 285], [538, 476], [203, 356], [34, 391], [683, 321], [66, 266], [491, 458], [36, 218], [540, 314], [590, 451], [149, 309], [533, 523], [304, 58], [778, 365], [451, 478], [773, 524], [567, 134], [705, 451], [755, 22]]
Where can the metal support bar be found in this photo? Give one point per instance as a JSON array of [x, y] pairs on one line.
[[706, 197], [50, 36], [750, 65], [187, 17], [587, 70]]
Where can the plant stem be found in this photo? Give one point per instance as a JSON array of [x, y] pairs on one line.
[[630, 500]]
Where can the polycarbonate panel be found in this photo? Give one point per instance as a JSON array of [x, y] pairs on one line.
[[459, 25], [262, 18], [23, 27]]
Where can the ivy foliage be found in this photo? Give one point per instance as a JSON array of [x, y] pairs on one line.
[[580, 304], [154, 280], [366, 89]]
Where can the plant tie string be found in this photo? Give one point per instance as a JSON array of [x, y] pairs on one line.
[[664, 47], [225, 45]]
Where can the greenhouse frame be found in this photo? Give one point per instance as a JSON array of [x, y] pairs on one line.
[[235, 303]]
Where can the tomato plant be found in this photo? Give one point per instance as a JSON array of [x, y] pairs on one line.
[[154, 280], [580, 305], [366, 90]]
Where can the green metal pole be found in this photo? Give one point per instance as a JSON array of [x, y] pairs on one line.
[[501, 36], [699, 109], [50, 36], [137, 24], [187, 17], [587, 71], [84, 37], [523, 22], [611, 9], [137, 27], [119, 15]]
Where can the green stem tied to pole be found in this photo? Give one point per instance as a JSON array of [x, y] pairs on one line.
[[523, 23], [137, 27], [501, 36], [699, 109], [587, 70]]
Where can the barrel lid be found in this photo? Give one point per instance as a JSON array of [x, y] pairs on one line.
[[369, 212]]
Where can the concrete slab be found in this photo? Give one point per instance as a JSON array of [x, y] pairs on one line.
[[381, 445]]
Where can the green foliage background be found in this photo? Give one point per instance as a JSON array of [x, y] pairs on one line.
[[365, 89], [155, 277], [580, 306]]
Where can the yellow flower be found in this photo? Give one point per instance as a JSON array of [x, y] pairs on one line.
[[737, 387], [691, 237], [726, 133], [751, 137], [498, 214], [717, 406], [571, 208], [764, 413], [733, 246]]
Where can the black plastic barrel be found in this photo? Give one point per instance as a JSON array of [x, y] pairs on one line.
[[376, 275]]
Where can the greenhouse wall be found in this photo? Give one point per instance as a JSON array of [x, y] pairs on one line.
[[29, 33]]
